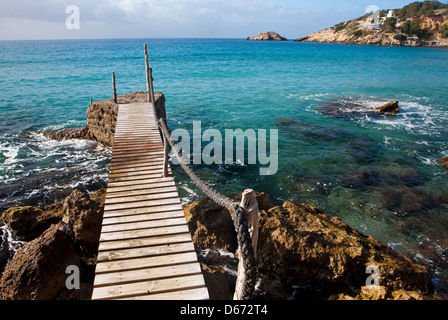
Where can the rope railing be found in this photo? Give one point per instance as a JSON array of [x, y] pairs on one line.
[[246, 266]]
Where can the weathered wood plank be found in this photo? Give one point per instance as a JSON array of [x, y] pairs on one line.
[[188, 294], [168, 213], [149, 287], [144, 242], [143, 225], [131, 234], [153, 273], [145, 249], [145, 262]]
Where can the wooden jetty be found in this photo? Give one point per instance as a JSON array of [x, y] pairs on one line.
[[145, 250]]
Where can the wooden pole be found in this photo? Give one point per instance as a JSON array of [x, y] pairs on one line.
[[91, 101], [166, 150], [148, 74], [250, 205], [149, 83], [115, 88]]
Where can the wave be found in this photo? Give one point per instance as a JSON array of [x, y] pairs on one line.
[[34, 170]]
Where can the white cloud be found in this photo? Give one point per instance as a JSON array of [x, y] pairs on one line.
[[31, 19]]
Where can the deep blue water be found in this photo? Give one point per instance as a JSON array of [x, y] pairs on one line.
[[377, 173]]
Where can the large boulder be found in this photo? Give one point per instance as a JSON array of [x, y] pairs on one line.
[[304, 253], [301, 245], [211, 225], [27, 223], [84, 214], [37, 270]]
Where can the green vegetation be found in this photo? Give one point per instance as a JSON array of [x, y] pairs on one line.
[[356, 33], [400, 37], [339, 26], [390, 24], [413, 28], [417, 9], [444, 30]]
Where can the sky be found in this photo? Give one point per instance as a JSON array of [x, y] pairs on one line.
[[49, 19]]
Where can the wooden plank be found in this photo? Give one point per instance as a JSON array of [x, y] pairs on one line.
[[149, 287], [132, 202], [144, 217], [139, 189], [145, 245], [122, 245], [136, 182], [188, 294], [143, 190], [152, 194], [109, 213], [144, 225], [145, 262], [131, 234], [153, 273]]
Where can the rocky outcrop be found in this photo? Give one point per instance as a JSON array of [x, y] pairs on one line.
[[391, 107], [37, 270], [63, 234], [211, 225], [267, 36], [443, 162], [84, 214], [102, 117], [303, 253], [352, 32], [27, 223]]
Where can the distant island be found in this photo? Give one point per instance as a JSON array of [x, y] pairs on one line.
[[267, 36], [419, 24]]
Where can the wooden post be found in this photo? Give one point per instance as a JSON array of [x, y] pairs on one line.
[[91, 101], [149, 84], [148, 74], [250, 205], [115, 88], [166, 150]]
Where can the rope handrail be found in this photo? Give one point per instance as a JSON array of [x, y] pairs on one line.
[[245, 286]]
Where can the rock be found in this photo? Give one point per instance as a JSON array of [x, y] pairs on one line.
[[6, 252], [443, 162], [300, 244], [216, 282], [37, 270], [268, 36], [211, 225], [372, 293], [84, 214], [391, 107], [102, 117], [27, 223], [299, 247]]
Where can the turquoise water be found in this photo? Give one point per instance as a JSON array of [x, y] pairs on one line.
[[377, 173]]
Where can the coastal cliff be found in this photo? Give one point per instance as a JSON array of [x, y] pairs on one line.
[[420, 24]]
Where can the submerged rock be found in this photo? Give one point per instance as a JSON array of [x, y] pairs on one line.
[[268, 36], [350, 108]]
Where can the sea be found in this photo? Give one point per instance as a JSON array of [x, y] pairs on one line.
[[379, 173]]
